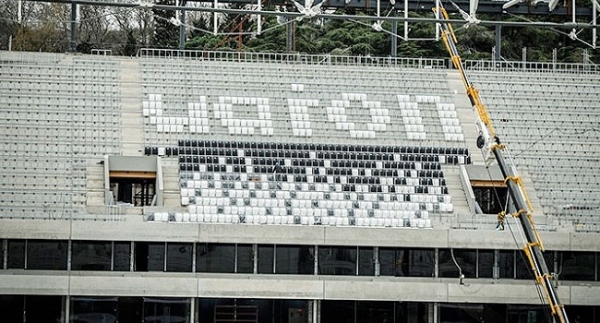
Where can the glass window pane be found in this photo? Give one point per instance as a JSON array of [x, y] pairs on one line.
[[368, 311], [387, 262], [416, 262], [166, 310], [465, 260], [295, 260], [156, 256], [215, 258], [461, 312], [91, 255], [265, 259], [122, 256], [485, 264], [43, 308], [338, 311], [366, 265], [93, 309], [179, 257], [522, 267], [576, 265], [506, 263], [47, 254], [244, 259], [12, 307], [16, 254], [337, 261]]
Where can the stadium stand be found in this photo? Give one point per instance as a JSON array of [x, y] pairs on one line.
[[57, 112], [232, 181], [285, 184], [550, 121]]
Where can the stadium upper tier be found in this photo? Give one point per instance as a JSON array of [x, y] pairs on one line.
[[56, 113], [298, 102], [550, 122], [291, 142]]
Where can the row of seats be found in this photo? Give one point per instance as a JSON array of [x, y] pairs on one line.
[[321, 147], [289, 220]]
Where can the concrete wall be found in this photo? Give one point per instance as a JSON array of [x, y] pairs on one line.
[[287, 287], [134, 229]]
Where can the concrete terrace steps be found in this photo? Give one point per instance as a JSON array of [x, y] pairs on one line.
[[131, 112], [466, 114]]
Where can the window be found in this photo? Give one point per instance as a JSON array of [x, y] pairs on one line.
[[266, 259], [295, 260], [122, 255], [449, 266], [103, 308], [16, 254], [366, 263], [179, 257], [485, 263], [91, 255], [573, 265], [47, 254], [506, 263], [149, 256], [215, 258], [166, 309], [337, 260], [244, 259], [407, 262]]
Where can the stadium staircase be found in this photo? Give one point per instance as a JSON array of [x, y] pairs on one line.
[[131, 116]]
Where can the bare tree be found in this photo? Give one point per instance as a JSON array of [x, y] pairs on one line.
[[44, 27], [93, 27], [135, 27]]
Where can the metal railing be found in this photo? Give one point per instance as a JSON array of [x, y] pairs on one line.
[[289, 58], [545, 67]]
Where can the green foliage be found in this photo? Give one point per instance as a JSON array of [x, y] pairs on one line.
[[130, 47], [166, 35]]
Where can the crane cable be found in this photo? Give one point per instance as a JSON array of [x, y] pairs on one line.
[[512, 233]]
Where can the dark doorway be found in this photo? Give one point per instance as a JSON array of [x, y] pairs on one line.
[[134, 191], [491, 199]]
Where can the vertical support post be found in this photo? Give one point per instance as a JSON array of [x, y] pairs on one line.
[[316, 261], [259, 19], [498, 52], [192, 310], [255, 259], [289, 40], [73, 43], [194, 247], [595, 9], [182, 29], [394, 49], [215, 21], [376, 261], [4, 254], [20, 11], [405, 22], [437, 17]]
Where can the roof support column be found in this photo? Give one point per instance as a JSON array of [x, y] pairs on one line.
[[182, 26], [73, 42], [498, 46]]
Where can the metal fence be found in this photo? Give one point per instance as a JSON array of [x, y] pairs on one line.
[[288, 58]]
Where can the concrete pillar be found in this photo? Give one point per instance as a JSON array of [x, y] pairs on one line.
[[73, 43], [498, 46], [394, 49], [182, 30]]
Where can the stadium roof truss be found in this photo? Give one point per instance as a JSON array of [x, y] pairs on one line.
[[512, 13]]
